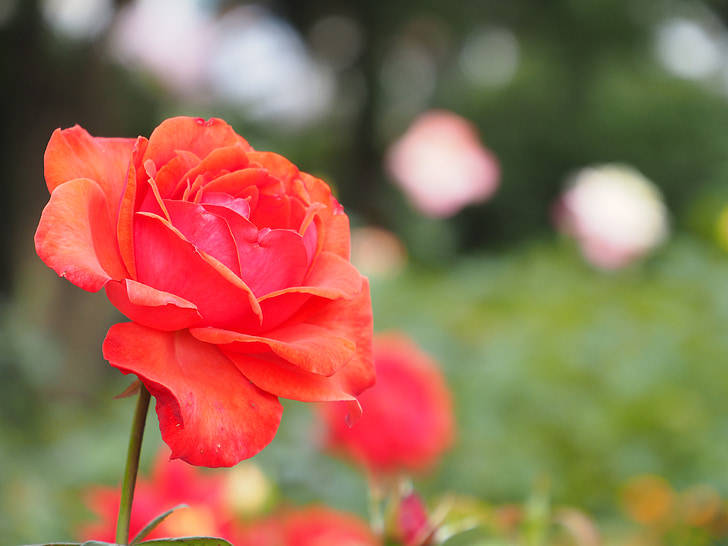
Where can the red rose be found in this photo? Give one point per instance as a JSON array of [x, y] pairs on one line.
[[233, 267], [408, 418]]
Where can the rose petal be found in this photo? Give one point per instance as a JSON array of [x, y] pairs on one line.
[[128, 205], [289, 381], [350, 319], [331, 277], [193, 135], [169, 263], [239, 206], [245, 183], [73, 153], [310, 347], [77, 239], [273, 212], [335, 236], [209, 413], [171, 179], [269, 261], [207, 231], [220, 162], [151, 307], [278, 260], [277, 165]]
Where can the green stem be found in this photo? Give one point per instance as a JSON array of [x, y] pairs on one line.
[[132, 466]]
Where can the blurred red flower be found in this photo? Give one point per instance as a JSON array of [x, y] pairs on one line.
[[441, 165], [232, 265], [408, 418], [311, 526], [170, 484]]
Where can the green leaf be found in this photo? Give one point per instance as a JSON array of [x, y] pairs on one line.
[[188, 541], [153, 524]]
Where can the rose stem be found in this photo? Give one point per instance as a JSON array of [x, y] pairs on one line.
[[132, 466]]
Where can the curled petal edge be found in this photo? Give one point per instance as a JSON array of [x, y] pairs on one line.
[[151, 307]]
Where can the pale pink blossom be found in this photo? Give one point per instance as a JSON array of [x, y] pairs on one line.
[[614, 213], [441, 164]]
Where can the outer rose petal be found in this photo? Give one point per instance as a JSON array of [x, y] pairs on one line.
[[209, 413], [73, 153], [336, 237], [351, 319], [75, 237], [288, 381], [150, 307], [312, 348]]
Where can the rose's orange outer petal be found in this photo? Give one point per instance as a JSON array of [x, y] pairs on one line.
[[209, 413], [336, 237], [351, 319], [73, 153], [313, 348], [76, 235], [77, 239], [127, 206]]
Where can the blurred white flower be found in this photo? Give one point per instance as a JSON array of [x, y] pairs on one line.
[[690, 49], [245, 57], [441, 164], [75, 19], [261, 63], [167, 38], [614, 213]]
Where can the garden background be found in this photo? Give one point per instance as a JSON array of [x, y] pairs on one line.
[[559, 369]]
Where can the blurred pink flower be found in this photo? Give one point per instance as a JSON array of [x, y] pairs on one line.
[[413, 521], [441, 164], [407, 422], [614, 213]]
